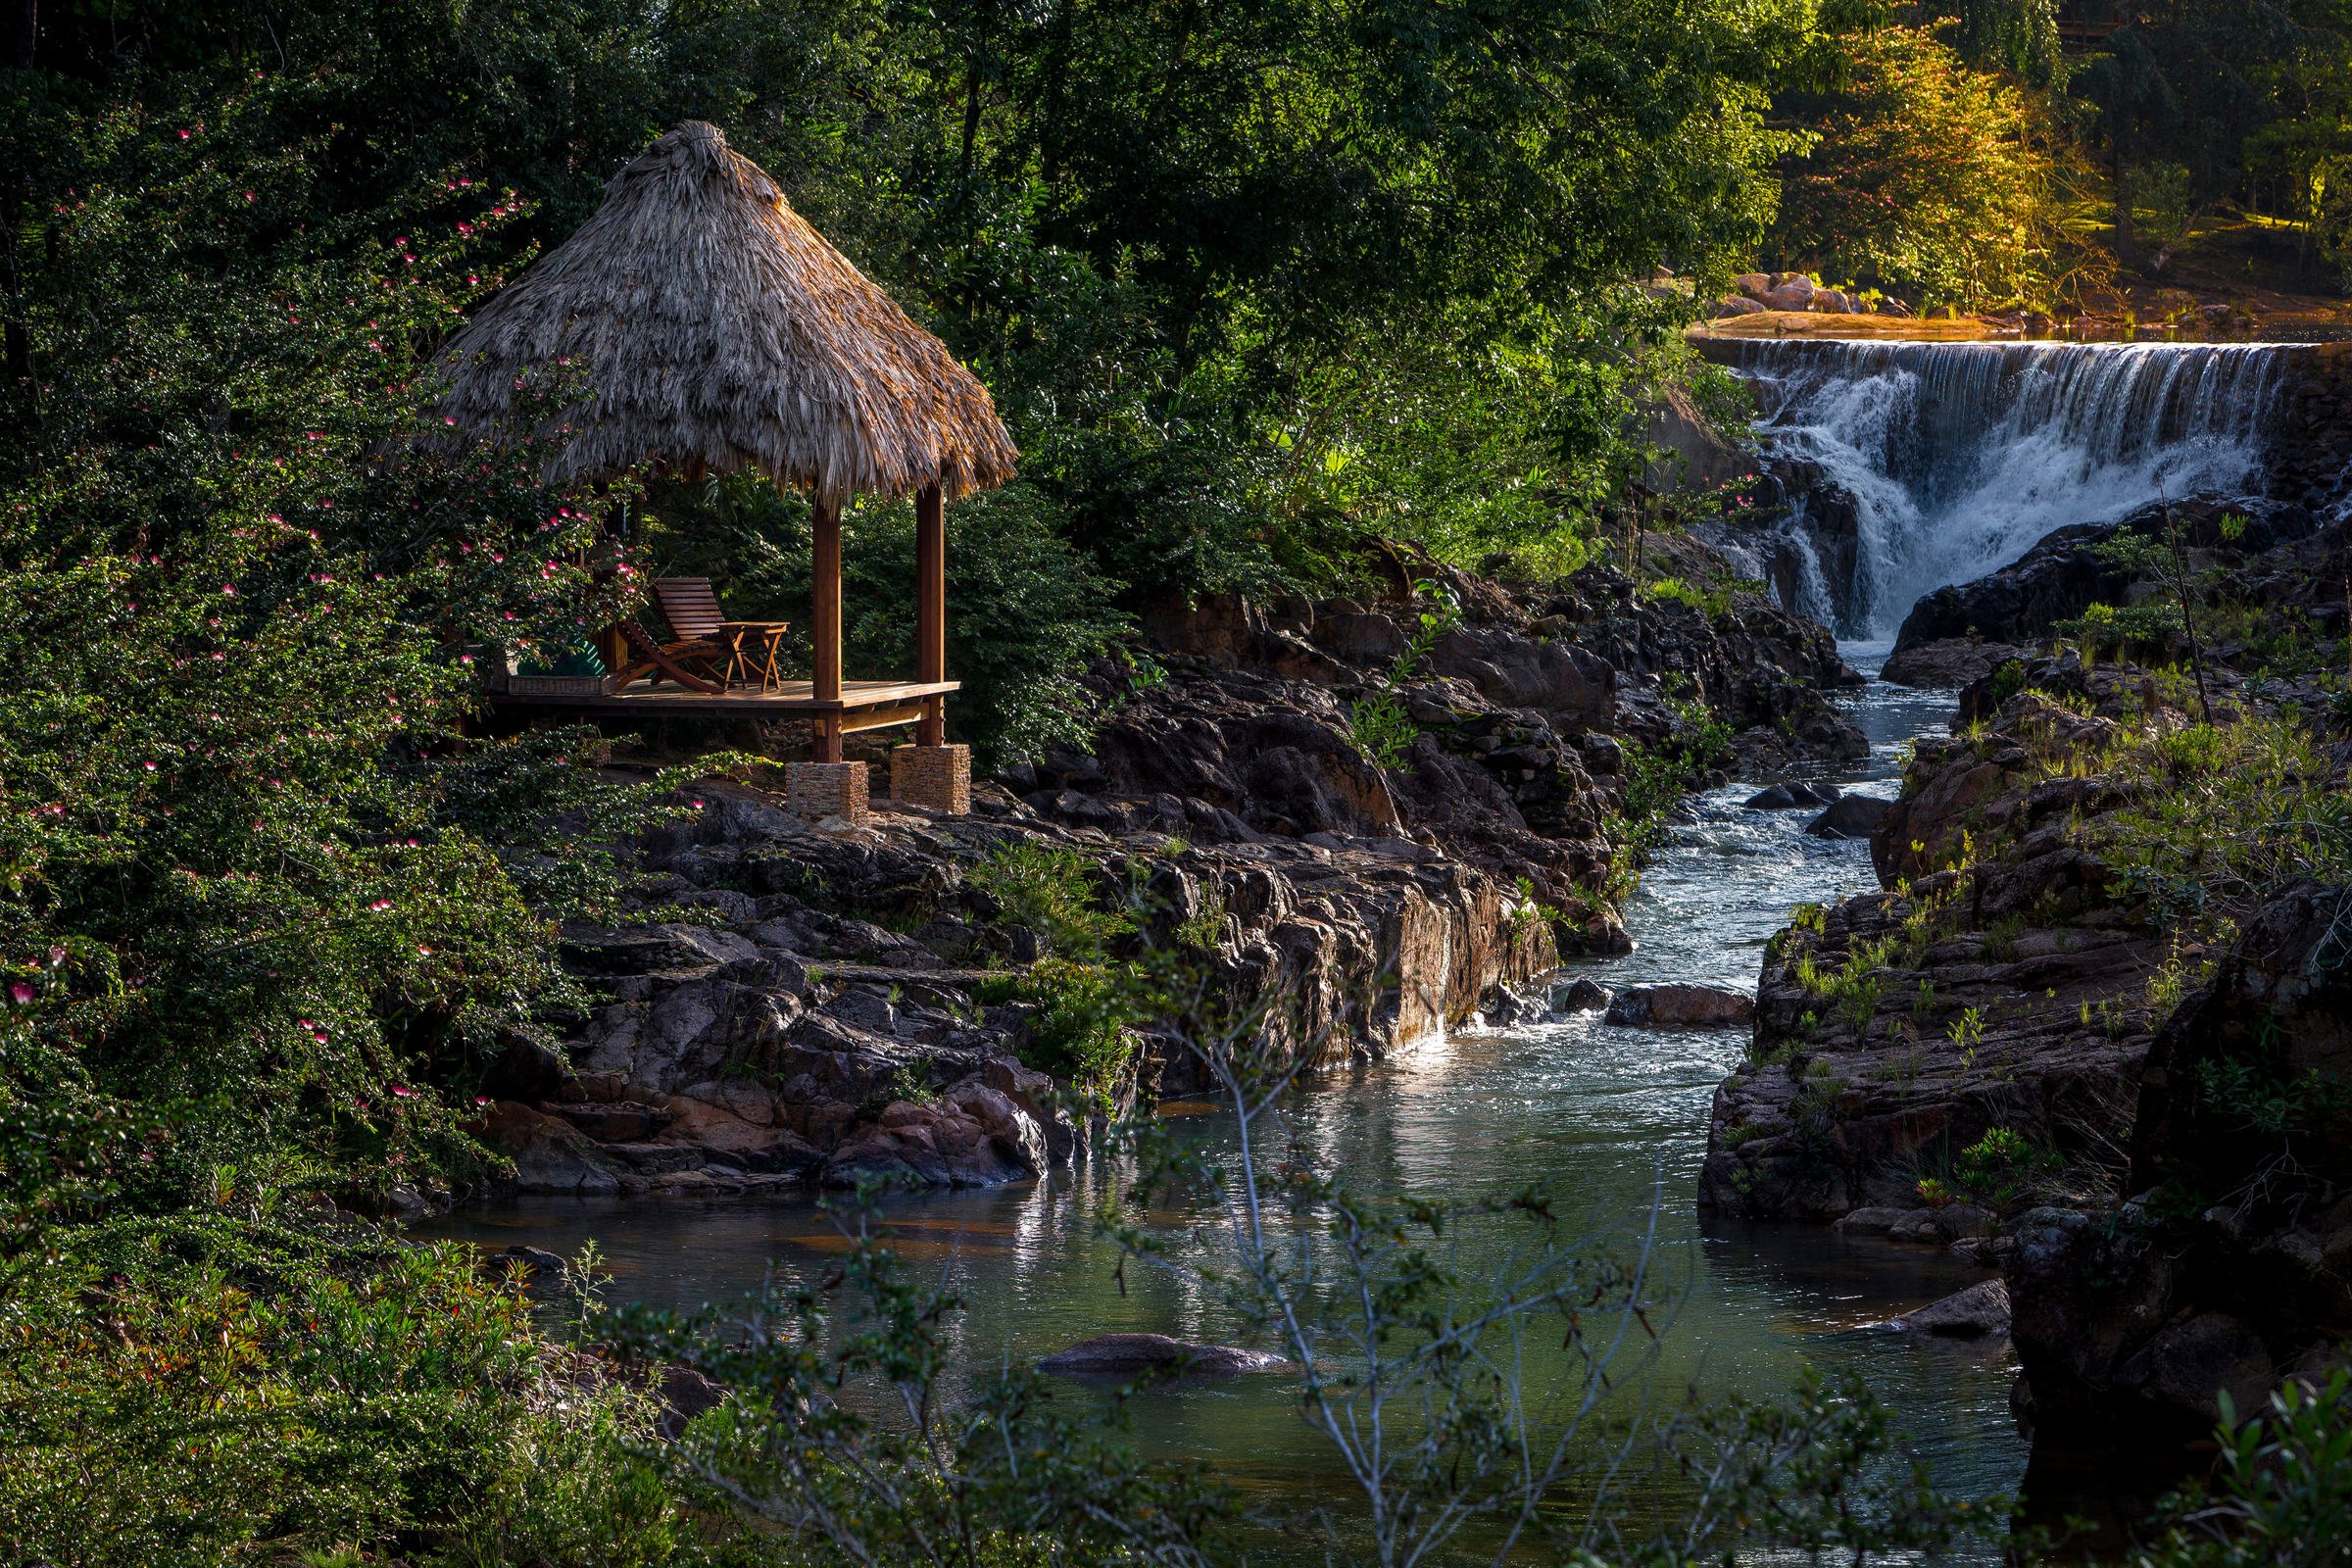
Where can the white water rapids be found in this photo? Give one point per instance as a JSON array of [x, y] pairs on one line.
[[1955, 459]]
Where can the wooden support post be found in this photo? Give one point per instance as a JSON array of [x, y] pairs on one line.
[[931, 610], [824, 626]]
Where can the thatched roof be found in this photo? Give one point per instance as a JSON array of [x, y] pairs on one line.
[[712, 328]]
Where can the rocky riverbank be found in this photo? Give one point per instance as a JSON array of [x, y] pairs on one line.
[[2094, 1026], [807, 1004]]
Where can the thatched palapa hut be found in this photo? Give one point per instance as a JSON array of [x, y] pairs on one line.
[[697, 324]]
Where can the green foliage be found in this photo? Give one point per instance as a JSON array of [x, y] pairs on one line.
[[1049, 890], [2000, 1167], [1712, 603], [1381, 729], [1377, 723], [2282, 1492], [1935, 180], [1204, 928], [2230, 811], [242, 1381], [1656, 779], [260, 883], [1808, 1474], [1085, 1027]]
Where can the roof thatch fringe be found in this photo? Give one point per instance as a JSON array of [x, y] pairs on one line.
[[712, 328]]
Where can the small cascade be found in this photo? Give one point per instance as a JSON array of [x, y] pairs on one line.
[[1917, 464]]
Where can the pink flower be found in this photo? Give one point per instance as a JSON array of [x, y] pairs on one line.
[[20, 993], [230, 588], [380, 905], [401, 1092]]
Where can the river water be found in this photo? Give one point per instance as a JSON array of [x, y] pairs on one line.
[[1616, 1117]]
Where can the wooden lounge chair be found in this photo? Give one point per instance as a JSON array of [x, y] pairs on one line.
[[697, 664], [692, 610]]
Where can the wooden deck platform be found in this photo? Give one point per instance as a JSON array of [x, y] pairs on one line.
[[863, 704]]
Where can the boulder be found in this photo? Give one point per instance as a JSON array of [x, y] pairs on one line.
[[1681, 1007], [1873, 1221], [1794, 295], [1130, 1355], [686, 1393], [1736, 305], [550, 1154], [1582, 996], [1948, 663], [1501, 1007], [1849, 816], [1980, 1309], [1753, 285], [971, 1136], [1789, 797]]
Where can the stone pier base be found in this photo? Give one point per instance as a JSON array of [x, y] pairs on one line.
[[936, 777], [819, 790]]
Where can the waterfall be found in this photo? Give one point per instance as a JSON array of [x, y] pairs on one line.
[[1925, 464]]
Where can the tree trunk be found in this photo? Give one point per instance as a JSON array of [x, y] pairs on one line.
[[2127, 242], [27, 33]]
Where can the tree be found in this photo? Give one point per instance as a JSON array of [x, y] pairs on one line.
[[1934, 179]]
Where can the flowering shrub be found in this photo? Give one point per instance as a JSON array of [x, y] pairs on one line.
[[258, 877]]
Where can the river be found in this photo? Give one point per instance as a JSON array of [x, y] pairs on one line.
[[1616, 1117]]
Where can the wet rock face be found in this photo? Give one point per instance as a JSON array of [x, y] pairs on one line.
[[1790, 797], [2065, 574]]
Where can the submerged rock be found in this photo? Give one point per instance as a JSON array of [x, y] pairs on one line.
[[1789, 797], [1681, 1007], [1582, 996], [1128, 1355], [1979, 1310]]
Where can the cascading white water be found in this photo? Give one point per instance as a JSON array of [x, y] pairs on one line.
[[1956, 458]]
